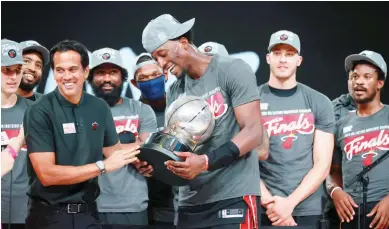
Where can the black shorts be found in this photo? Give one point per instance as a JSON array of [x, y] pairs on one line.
[[123, 218], [239, 213]]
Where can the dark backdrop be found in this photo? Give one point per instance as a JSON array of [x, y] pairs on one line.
[[329, 31]]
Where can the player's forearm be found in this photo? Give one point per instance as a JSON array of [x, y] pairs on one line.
[[334, 179], [16, 143], [249, 137], [263, 149], [265, 193], [311, 182], [7, 162], [67, 175], [263, 153]]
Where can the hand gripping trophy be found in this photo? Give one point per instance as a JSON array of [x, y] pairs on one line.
[[189, 122]]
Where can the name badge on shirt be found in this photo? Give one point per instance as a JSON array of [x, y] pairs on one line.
[[69, 128]]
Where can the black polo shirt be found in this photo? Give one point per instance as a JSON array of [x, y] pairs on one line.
[[76, 133]]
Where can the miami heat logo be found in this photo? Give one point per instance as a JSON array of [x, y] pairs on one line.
[[217, 105], [95, 125], [288, 140], [284, 37], [366, 145], [368, 157], [208, 49], [106, 56], [287, 126], [127, 124], [12, 53]]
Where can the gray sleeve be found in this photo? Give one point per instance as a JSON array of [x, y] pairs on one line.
[[170, 97], [148, 120], [175, 90], [241, 83], [110, 135], [324, 114], [337, 156], [337, 110]]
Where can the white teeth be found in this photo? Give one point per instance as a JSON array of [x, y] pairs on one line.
[[29, 76], [68, 84], [171, 68]]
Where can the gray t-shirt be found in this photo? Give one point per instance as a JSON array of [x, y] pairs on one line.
[[226, 84], [125, 190], [291, 122], [11, 119], [359, 142], [160, 119]]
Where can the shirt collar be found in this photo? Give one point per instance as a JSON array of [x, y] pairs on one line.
[[63, 101]]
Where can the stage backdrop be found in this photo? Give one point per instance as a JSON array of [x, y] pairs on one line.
[[329, 31]]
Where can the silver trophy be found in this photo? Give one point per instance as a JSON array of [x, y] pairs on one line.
[[189, 122]]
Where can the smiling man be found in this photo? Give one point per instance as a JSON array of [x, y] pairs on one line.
[[67, 133], [35, 57], [222, 192], [124, 194]]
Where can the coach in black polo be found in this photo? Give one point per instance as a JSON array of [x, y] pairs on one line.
[[67, 133]]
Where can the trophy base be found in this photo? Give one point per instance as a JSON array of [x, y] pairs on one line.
[[156, 150]]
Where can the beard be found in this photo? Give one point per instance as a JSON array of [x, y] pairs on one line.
[[367, 99], [111, 97], [27, 86]]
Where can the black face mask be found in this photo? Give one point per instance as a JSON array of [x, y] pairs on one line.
[[111, 97]]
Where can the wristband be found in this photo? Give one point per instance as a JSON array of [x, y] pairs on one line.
[[206, 161], [12, 152], [333, 190], [223, 156]]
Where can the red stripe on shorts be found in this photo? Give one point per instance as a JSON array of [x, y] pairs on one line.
[[251, 220]]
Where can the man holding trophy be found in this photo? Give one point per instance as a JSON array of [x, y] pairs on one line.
[[217, 161]]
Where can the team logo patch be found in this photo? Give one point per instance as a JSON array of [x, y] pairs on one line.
[[106, 56], [284, 37], [208, 49], [12, 53], [94, 125]]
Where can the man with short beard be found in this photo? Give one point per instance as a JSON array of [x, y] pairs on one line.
[[35, 57], [361, 138], [124, 194]]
